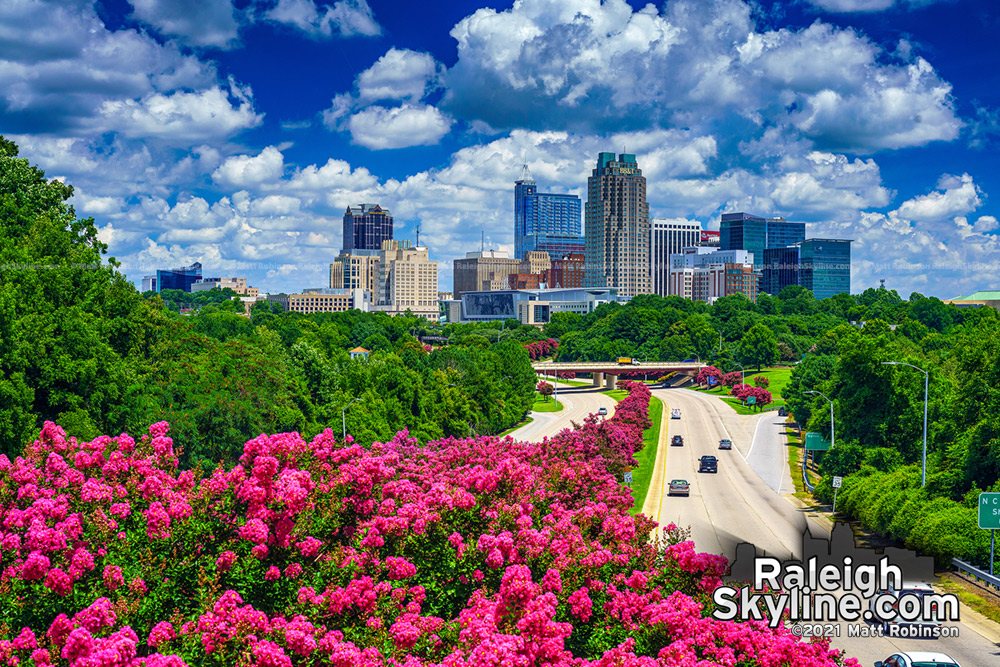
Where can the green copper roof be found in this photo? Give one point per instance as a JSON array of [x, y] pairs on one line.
[[985, 295]]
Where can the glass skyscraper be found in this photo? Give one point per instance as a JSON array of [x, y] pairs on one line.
[[181, 278], [742, 231], [545, 221], [365, 227], [822, 266]]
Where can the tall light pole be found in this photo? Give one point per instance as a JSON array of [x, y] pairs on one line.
[[833, 440], [923, 475], [742, 371], [343, 417]]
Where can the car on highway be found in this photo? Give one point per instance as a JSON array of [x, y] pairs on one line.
[[678, 441], [708, 464], [725, 443], [918, 659], [603, 412], [782, 411], [918, 589], [679, 487], [675, 413]]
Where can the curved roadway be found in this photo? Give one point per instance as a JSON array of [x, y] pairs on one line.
[[578, 402]]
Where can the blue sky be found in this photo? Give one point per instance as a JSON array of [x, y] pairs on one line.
[[235, 133]]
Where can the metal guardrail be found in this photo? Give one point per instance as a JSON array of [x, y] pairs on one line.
[[975, 572]]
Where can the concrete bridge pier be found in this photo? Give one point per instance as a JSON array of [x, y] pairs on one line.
[[610, 381], [598, 379]]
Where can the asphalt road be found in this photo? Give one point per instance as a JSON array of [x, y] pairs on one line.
[[578, 402], [743, 502]]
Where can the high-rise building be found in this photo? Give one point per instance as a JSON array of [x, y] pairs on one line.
[[366, 227], [822, 266], [181, 278], [742, 231], [669, 237], [357, 269], [544, 221], [149, 283], [617, 227], [703, 274], [483, 271], [407, 280], [535, 262]]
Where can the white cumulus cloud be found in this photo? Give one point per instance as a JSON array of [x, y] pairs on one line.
[[346, 18], [197, 22], [248, 171], [400, 74], [378, 127]]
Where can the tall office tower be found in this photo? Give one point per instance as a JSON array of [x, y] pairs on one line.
[[407, 280], [669, 237], [822, 266], [543, 221], [617, 227], [483, 271], [357, 269], [181, 278], [742, 231], [365, 227]]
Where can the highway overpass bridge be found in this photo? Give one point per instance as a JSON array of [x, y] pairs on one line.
[[607, 372]]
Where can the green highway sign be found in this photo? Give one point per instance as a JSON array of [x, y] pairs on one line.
[[989, 510], [817, 443], [751, 400]]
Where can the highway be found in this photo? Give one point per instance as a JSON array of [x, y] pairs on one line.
[[578, 402], [748, 500]]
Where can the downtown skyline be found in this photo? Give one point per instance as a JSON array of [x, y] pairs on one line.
[[240, 134]]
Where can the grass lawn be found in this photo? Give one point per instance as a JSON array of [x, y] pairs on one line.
[[546, 404], [646, 456], [779, 377], [795, 453]]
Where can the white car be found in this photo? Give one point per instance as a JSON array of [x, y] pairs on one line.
[[918, 659], [675, 413], [602, 411]]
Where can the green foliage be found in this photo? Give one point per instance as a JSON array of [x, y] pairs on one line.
[[758, 347]]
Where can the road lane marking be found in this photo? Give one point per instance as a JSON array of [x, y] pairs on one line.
[[664, 426]]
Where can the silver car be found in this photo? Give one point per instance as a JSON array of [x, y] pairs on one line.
[[679, 487]]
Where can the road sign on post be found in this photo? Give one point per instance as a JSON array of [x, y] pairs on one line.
[[837, 481], [817, 443], [989, 517], [836, 487], [751, 400], [628, 478], [989, 510]]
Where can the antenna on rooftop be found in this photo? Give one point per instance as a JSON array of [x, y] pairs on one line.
[[881, 284], [525, 172], [482, 240], [418, 234]]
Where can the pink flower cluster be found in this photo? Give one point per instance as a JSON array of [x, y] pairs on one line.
[[744, 391], [542, 348], [706, 372], [454, 553]]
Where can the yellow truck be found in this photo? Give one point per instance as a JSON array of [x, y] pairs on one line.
[[628, 361]]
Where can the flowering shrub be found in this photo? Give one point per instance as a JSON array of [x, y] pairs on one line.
[[542, 348], [545, 388], [761, 381], [706, 372], [456, 553], [732, 379], [745, 391]]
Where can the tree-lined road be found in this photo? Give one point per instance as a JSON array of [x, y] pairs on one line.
[[743, 502]]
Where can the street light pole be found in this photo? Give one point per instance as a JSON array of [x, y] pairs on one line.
[[923, 475], [343, 417], [742, 371]]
